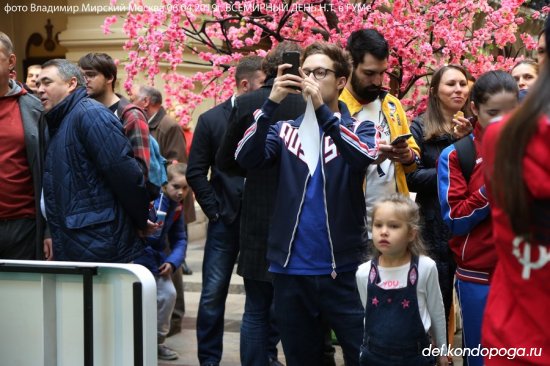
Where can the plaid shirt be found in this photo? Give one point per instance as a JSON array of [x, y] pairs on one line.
[[137, 130]]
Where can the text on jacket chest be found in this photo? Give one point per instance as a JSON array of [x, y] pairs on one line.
[[289, 135]]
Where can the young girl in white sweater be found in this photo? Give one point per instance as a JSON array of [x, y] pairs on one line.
[[400, 291]]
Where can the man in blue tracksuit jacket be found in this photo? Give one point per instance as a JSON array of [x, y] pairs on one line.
[[318, 232]]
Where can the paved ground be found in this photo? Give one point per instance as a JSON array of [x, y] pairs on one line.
[[186, 343]]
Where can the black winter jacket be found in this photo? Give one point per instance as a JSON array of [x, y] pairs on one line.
[[423, 181], [435, 232]]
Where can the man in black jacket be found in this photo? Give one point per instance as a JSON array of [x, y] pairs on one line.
[[220, 199], [259, 338]]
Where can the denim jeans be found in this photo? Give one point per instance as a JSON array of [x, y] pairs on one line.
[[259, 336], [220, 255], [301, 302]]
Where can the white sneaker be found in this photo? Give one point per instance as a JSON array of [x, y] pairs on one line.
[[166, 353]]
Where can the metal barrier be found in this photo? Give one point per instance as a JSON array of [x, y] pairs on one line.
[[41, 323]]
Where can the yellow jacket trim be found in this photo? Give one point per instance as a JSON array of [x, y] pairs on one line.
[[397, 121]]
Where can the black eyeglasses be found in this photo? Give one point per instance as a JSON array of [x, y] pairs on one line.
[[319, 73]]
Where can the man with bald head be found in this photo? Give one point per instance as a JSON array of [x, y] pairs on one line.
[[32, 75]]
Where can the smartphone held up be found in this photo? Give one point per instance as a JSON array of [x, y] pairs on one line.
[[292, 58]]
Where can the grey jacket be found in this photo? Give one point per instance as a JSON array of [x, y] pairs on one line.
[[31, 111]]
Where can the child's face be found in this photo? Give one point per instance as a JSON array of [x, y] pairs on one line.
[[390, 232], [176, 188]]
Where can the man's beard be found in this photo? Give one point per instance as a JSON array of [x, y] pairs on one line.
[[366, 94], [94, 94]]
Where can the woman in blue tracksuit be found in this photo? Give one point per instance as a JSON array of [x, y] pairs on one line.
[[465, 205]]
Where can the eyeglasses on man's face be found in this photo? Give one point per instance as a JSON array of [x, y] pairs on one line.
[[89, 74], [319, 73]]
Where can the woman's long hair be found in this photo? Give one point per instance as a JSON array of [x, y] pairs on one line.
[[433, 118], [508, 180]]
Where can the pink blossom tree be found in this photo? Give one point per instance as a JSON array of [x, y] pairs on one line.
[[423, 35]]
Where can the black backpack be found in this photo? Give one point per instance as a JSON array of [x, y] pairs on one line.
[[466, 152]]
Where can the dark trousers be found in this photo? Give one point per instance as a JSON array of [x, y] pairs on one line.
[[259, 336], [220, 255], [18, 239], [446, 272], [301, 305]]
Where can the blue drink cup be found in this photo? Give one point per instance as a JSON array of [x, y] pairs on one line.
[[161, 216]]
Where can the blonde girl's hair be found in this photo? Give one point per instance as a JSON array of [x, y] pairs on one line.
[[409, 210], [175, 169]]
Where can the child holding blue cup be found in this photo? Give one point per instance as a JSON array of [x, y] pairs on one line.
[[169, 230]]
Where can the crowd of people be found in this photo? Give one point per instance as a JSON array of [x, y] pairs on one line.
[[305, 179]]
